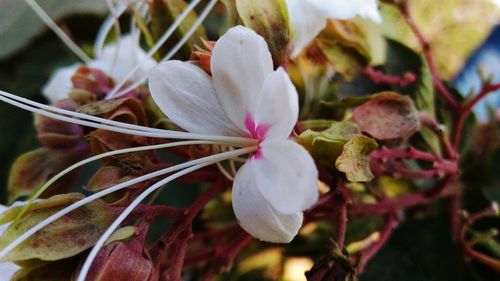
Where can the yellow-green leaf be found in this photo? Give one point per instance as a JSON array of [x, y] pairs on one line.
[[355, 159]]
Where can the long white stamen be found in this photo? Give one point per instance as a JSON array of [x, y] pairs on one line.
[[118, 36], [78, 204], [101, 156], [58, 31], [224, 171], [158, 44], [172, 52], [106, 28], [104, 237], [123, 127]]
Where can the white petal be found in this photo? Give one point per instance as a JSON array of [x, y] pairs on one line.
[[119, 58], [343, 10], [307, 22], [240, 63], [285, 175], [278, 105], [256, 216], [60, 85], [370, 11], [7, 269], [185, 93]]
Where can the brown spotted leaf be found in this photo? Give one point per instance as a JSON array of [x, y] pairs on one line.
[[387, 116]]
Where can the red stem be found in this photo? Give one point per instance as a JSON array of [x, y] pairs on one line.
[[389, 205], [169, 237], [227, 255], [178, 254], [384, 237], [341, 224], [469, 250], [467, 109], [379, 77], [426, 49]]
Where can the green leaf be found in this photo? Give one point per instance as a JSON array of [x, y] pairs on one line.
[[66, 237], [355, 159], [19, 24], [269, 18], [328, 144]]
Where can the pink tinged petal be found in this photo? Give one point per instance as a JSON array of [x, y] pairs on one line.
[[256, 216], [60, 85], [241, 61], [307, 22], [185, 93], [7, 269], [278, 106], [285, 175]]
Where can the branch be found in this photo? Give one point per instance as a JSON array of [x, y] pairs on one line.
[[467, 109], [426, 49], [384, 237], [385, 161], [468, 249], [379, 77]]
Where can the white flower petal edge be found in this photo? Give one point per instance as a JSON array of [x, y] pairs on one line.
[[116, 61], [277, 109], [308, 17], [285, 175], [306, 23], [240, 64], [120, 57], [7, 269], [185, 93], [278, 182], [59, 85], [256, 216]]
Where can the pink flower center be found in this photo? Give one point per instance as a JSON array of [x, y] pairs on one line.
[[257, 131]]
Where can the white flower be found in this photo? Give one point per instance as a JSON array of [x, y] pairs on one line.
[[309, 17], [116, 61], [7, 269], [246, 97], [59, 85]]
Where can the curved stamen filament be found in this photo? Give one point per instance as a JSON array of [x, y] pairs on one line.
[[172, 52], [205, 161], [118, 36], [58, 31], [224, 171], [104, 237], [106, 28], [97, 157], [118, 127], [157, 46]]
